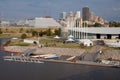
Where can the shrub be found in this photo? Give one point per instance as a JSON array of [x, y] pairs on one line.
[[21, 30], [40, 33], [49, 32], [34, 33], [23, 36], [58, 32]]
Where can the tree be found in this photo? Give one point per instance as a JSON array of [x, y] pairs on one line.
[[23, 36], [49, 32], [44, 32], [58, 32], [40, 33], [114, 24], [27, 31], [97, 25], [34, 33], [84, 24], [1, 31]]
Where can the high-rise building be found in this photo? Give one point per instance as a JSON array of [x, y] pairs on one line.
[[77, 14], [70, 19], [91, 16], [70, 14], [85, 14], [63, 15]]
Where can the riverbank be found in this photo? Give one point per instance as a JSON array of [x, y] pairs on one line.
[[106, 53], [66, 53]]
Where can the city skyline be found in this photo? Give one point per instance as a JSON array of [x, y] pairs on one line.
[[37, 8]]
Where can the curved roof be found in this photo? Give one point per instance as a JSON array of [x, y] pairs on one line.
[[98, 30], [46, 22]]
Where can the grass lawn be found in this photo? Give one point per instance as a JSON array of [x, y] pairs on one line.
[[19, 42], [50, 43]]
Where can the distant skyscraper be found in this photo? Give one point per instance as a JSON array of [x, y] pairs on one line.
[[91, 16], [85, 14], [71, 14], [77, 14], [63, 15]]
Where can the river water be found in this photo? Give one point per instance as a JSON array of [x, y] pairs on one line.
[[54, 71], [4, 40]]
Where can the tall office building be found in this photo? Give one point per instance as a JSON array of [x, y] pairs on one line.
[[91, 16], [77, 14], [63, 15], [85, 14], [70, 19], [71, 14]]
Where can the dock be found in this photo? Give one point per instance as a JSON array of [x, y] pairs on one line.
[[22, 59], [39, 60]]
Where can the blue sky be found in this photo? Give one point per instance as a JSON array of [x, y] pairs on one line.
[[11, 9]]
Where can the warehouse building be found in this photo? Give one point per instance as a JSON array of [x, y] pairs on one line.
[[95, 32]]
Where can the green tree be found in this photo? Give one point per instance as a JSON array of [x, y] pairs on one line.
[[58, 32], [34, 33], [114, 24], [23, 36], [84, 24], [44, 32], [40, 33], [1, 31], [49, 32], [97, 25]]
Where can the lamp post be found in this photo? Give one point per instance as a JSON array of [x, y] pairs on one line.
[[38, 40]]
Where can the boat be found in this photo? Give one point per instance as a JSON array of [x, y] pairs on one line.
[[46, 56]]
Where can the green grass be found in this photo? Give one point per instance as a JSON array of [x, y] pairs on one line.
[[50, 42], [60, 44], [22, 44], [19, 42], [67, 45], [5, 35]]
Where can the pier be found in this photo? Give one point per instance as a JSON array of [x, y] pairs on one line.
[[22, 59], [40, 60]]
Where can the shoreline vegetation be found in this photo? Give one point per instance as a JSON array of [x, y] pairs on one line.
[[9, 32]]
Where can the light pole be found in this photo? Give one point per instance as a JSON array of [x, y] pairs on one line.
[[38, 40]]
